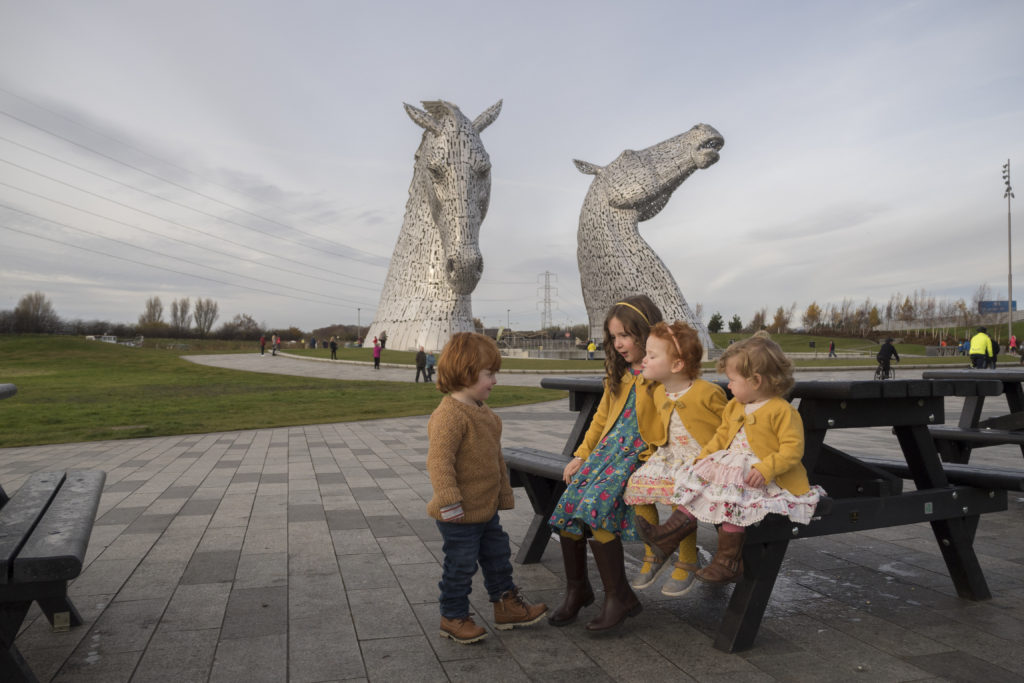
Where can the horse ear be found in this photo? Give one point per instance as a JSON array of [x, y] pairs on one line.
[[587, 167], [421, 118], [487, 117]]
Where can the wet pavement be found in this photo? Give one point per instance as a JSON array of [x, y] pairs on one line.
[[305, 554]]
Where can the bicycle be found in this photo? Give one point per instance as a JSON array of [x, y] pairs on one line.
[[881, 374]]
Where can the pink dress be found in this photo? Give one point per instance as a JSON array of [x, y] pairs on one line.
[[655, 481]]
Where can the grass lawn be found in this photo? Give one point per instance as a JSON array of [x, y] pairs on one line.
[[70, 389]]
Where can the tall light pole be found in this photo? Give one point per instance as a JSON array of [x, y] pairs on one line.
[[359, 324], [1008, 195], [508, 318]]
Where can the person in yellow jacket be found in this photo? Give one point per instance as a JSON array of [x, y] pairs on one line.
[[752, 467], [981, 349], [619, 438], [690, 410]]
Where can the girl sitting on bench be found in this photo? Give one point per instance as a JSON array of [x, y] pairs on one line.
[[751, 468], [689, 411]]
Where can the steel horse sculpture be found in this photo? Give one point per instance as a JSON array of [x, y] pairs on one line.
[[436, 263], [614, 260]]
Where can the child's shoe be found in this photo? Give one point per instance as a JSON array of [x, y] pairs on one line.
[[649, 571], [513, 610], [684, 575], [462, 630]]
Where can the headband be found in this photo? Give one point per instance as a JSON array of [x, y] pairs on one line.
[[623, 303]]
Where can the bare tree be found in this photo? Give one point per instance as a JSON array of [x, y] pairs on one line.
[[154, 313], [757, 323], [812, 317], [34, 314], [180, 314], [205, 315]]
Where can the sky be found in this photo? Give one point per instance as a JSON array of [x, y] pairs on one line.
[[257, 153]]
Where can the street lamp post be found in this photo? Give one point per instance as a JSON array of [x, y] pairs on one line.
[[359, 324], [508, 318], [1008, 195]]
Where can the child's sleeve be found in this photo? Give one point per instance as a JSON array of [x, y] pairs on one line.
[[506, 499], [789, 428], [719, 441], [596, 425], [445, 439]]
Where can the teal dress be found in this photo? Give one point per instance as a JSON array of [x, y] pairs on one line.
[[593, 497]]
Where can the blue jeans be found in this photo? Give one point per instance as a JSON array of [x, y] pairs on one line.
[[465, 545]]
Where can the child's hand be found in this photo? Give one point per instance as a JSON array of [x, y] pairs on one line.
[[571, 468], [754, 479]]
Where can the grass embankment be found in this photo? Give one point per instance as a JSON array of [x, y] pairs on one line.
[[70, 389]]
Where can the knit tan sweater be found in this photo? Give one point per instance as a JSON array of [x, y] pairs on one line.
[[464, 461]]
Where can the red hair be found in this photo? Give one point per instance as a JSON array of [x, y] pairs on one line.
[[683, 344], [462, 359]]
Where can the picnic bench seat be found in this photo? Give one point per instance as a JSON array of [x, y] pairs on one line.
[[540, 475], [955, 442], [44, 533]]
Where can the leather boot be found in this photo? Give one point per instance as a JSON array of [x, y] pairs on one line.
[[578, 593], [727, 564], [663, 538], [619, 599], [513, 610]]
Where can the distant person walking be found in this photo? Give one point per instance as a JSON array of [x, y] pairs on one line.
[[591, 347], [334, 348], [995, 354], [384, 339], [263, 343], [275, 344], [431, 361], [1013, 343], [376, 354], [421, 365], [832, 349], [980, 349]]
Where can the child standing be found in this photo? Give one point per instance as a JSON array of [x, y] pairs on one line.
[[751, 467], [376, 354], [610, 452], [470, 482], [690, 411]]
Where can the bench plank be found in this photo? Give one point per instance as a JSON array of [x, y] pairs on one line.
[[56, 549], [21, 514], [976, 436], [981, 477]]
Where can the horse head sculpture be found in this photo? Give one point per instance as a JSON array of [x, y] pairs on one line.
[[437, 262], [456, 178]]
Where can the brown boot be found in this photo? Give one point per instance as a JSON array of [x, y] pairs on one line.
[[578, 593], [462, 630], [727, 564], [513, 610], [663, 538], [619, 599]]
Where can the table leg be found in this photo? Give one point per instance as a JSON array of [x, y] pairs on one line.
[[13, 666], [1014, 400], [749, 600], [543, 494], [955, 536]]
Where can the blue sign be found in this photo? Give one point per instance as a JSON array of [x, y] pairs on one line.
[[994, 306]]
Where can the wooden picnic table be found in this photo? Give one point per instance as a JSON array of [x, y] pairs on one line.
[[955, 443], [862, 495]]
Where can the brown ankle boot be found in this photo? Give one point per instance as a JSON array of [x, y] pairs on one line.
[[578, 593], [664, 538], [463, 630], [513, 610], [727, 564], [620, 601]]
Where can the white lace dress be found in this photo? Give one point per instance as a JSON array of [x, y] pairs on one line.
[[714, 492], [655, 480]]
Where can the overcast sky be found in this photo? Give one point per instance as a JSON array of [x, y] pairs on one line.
[[257, 153]]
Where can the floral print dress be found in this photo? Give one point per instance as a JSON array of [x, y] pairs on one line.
[[594, 495], [655, 481], [713, 490]]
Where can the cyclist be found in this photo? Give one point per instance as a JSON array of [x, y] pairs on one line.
[[885, 354]]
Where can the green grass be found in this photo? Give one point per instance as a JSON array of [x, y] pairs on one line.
[[70, 389]]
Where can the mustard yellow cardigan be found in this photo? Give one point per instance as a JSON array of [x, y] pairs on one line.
[[700, 410], [776, 435], [608, 410]]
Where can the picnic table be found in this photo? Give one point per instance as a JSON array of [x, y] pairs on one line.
[[955, 442], [863, 493]]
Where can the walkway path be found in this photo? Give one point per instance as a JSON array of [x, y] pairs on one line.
[[304, 554]]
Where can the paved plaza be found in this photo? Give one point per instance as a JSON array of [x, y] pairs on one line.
[[305, 554]]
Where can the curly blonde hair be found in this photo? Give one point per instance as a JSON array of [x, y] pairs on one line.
[[761, 356]]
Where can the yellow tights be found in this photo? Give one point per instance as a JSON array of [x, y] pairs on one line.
[[687, 547], [600, 535]]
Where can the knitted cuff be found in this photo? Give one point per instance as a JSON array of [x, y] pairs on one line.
[[450, 513]]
